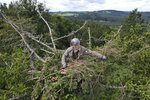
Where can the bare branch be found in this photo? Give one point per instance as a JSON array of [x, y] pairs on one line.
[[42, 43], [118, 31], [48, 51], [110, 42], [89, 37], [113, 87], [49, 28], [146, 47], [116, 34], [72, 33], [34, 38], [15, 27]]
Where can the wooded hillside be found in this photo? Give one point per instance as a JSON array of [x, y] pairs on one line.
[[110, 17]]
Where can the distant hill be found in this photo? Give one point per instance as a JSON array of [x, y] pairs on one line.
[[103, 16]]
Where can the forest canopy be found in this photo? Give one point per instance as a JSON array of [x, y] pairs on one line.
[[33, 41]]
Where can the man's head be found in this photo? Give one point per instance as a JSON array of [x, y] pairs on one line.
[[75, 42]]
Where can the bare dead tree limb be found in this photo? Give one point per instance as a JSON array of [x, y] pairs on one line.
[[113, 87], [115, 34], [23, 38], [146, 47], [49, 28], [34, 38], [48, 51], [89, 33], [110, 42], [118, 31], [72, 33]]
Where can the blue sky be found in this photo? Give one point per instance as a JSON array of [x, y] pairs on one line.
[[93, 5]]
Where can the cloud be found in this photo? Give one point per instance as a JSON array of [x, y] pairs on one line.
[[125, 5], [70, 5], [145, 7], [93, 5], [96, 1], [75, 5]]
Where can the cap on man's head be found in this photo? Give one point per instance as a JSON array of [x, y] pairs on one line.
[[75, 41]]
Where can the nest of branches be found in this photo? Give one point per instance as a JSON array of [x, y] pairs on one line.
[[80, 76]]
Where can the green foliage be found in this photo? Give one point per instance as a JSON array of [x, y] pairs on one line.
[[13, 75], [140, 75], [125, 75], [137, 54], [133, 33], [79, 80]]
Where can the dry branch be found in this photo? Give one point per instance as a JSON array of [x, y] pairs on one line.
[[115, 34], [108, 44], [72, 33], [146, 47], [89, 37], [49, 28], [113, 87], [16, 28], [48, 51], [34, 38]]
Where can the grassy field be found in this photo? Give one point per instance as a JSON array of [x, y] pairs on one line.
[[67, 14]]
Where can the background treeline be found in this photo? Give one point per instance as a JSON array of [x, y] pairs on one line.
[[110, 17], [25, 40]]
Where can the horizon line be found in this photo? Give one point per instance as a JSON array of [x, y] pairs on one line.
[[97, 10]]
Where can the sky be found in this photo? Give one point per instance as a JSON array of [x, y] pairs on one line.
[[93, 5]]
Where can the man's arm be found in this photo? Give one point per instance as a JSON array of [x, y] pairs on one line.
[[63, 59], [94, 53]]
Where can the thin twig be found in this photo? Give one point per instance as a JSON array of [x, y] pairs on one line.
[[115, 34], [72, 33], [146, 47], [48, 51]]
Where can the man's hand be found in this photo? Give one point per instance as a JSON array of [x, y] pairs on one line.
[[63, 71], [104, 58], [64, 66]]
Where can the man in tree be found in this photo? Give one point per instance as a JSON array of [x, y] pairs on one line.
[[76, 51]]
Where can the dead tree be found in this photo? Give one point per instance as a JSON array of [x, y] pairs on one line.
[[49, 28], [23, 34]]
